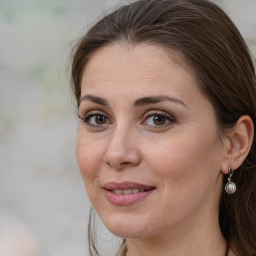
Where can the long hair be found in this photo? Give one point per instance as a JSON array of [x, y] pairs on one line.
[[212, 46]]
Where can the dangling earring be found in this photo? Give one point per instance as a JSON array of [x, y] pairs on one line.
[[230, 186]]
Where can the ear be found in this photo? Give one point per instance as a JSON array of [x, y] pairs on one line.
[[239, 143]]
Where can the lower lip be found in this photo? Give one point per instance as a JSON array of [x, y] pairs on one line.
[[124, 200]]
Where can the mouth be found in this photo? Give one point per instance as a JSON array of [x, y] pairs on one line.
[[126, 193]]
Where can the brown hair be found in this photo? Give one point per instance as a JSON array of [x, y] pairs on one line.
[[213, 47]]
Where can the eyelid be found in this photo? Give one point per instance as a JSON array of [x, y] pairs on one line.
[[162, 113], [90, 114], [158, 112]]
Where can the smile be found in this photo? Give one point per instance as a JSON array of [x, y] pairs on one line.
[[126, 193]]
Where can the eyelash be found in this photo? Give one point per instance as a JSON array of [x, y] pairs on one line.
[[162, 114], [92, 114], [151, 114]]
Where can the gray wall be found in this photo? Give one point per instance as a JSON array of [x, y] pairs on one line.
[[40, 183]]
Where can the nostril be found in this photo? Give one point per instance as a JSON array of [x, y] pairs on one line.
[[124, 163], [118, 159], [119, 165]]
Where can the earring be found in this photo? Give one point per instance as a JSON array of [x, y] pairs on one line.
[[230, 186]]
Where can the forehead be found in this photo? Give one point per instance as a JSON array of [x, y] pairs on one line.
[[140, 64]]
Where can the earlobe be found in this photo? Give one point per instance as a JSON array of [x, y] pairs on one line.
[[240, 141]]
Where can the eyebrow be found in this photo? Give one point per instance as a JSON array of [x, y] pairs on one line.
[[94, 99], [157, 99], [139, 102]]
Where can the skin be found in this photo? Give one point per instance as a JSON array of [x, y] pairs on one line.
[[183, 157]]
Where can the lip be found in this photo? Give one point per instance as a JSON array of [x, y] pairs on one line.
[[125, 200], [126, 185]]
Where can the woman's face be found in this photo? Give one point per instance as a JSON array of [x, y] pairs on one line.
[[148, 147]]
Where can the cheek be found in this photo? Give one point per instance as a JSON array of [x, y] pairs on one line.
[[89, 155], [187, 170], [185, 157], [89, 159]]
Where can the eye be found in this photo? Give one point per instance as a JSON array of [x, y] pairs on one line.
[[158, 118], [95, 119]]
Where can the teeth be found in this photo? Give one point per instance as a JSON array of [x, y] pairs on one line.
[[118, 192], [127, 191]]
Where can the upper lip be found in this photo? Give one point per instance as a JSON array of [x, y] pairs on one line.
[[126, 185]]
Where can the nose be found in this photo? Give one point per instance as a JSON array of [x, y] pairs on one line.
[[122, 150]]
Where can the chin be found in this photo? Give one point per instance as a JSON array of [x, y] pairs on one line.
[[125, 227], [133, 232]]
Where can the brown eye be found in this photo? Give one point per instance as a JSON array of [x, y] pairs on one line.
[[95, 119], [159, 120], [100, 119]]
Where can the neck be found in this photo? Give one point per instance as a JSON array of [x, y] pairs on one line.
[[207, 245], [191, 238]]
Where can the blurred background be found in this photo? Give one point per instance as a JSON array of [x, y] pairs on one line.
[[42, 197]]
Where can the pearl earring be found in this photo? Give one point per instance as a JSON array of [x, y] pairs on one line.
[[230, 186]]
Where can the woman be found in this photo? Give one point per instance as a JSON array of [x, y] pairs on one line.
[[166, 97]]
